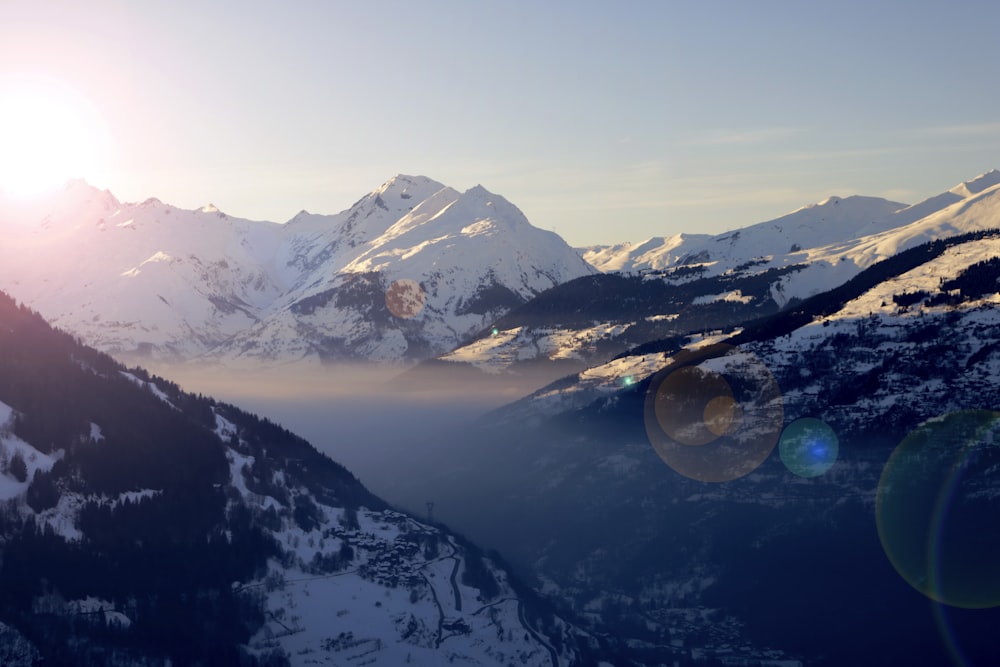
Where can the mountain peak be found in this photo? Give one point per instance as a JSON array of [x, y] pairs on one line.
[[77, 183], [977, 184], [478, 202], [404, 185], [478, 191]]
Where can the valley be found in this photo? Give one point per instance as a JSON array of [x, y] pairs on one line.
[[619, 432]]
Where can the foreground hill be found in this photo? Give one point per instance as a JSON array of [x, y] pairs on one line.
[[144, 525]]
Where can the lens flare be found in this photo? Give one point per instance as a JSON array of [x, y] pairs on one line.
[[405, 298], [808, 447], [687, 399], [937, 509], [714, 414], [720, 414]]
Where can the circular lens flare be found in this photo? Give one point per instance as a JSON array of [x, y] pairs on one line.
[[720, 414], [938, 511], [714, 414], [405, 298], [808, 447], [692, 405]]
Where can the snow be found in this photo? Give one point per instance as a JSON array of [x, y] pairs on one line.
[[497, 352], [454, 245], [135, 496], [224, 428], [237, 464], [6, 417], [63, 517], [735, 296], [173, 284], [152, 280], [157, 257], [926, 277], [151, 386], [407, 608], [835, 238], [99, 609], [656, 253], [977, 184], [589, 385], [10, 446], [833, 220], [834, 264]]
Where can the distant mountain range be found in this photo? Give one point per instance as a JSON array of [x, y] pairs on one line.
[[664, 288], [784, 240], [408, 272], [416, 270]]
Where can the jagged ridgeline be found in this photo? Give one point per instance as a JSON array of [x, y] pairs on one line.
[[140, 524], [154, 282]]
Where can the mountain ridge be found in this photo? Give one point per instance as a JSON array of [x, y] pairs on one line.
[[153, 281], [863, 216]]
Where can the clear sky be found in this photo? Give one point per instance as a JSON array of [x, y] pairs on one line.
[[605, 121]]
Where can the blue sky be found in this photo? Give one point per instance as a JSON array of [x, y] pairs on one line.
[[604, 121]]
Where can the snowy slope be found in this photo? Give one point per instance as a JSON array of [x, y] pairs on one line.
[[466, 259], [152, 280], [831, 220], [915, 333], [10, 447], [657, 253], [135, 277], [835, 263]]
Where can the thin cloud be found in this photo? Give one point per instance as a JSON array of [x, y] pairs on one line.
[[962, 130], [754, 136], [801, 156]]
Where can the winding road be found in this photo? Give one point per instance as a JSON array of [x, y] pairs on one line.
[[538, 638], [456, 591]]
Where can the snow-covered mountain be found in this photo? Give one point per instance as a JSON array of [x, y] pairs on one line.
[[408, 272], [697, 284], [456, 260], [832, 222]]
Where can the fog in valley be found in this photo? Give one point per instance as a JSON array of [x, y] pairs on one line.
[[399, 431]]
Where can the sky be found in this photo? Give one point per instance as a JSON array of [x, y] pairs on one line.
[[602, 121]]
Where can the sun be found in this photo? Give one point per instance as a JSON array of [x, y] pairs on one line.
[[49, 133]]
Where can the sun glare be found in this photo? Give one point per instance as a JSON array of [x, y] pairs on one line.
[[48, 133]]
